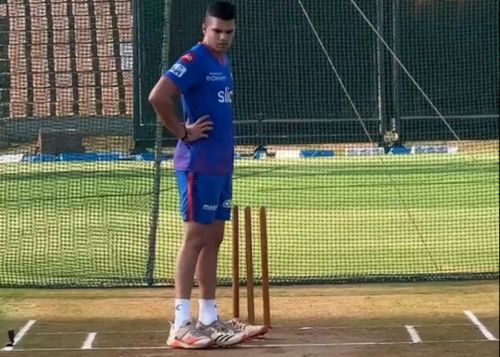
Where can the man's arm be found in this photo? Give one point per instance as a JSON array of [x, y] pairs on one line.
[[162, 98]]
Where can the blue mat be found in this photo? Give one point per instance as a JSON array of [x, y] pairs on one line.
[[316, 153], [400, 150]]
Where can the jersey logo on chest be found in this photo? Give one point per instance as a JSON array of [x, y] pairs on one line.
[[224, 96], [216, 77]]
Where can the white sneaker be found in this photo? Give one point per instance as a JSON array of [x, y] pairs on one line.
[[250, 330], [188, 336], [221, 333]]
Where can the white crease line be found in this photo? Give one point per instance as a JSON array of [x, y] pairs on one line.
[[305, 328], [104, 332], [480, 326], [375, 327], [20, 335], [291, 345], [412, 331], [87, 344]]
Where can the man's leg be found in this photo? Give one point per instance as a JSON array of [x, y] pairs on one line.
[[196, 237], [206, 269], [199, 196], [206, 272], [183, 333]]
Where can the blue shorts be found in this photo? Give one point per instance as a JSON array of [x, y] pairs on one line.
[[204, 198]]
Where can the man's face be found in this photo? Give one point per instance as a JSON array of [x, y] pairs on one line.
[[218, 33]]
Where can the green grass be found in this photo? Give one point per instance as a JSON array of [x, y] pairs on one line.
[[82, 223]]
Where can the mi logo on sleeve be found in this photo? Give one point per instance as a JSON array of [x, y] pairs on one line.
[[178, 70]]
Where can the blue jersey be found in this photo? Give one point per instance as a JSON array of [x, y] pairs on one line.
[[206, 87]]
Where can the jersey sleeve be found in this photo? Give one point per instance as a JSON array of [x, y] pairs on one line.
[[186, 72]]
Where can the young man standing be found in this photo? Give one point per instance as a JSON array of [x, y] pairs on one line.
[[203, 161]]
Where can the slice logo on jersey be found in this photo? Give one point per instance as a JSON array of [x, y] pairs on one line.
[[224, 96], [188, 57], [178, 70], [226, 204]]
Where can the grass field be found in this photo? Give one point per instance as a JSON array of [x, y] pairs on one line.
[[336, 218]]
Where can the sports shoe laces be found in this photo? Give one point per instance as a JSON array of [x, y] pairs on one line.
[[238, 324], [193, 331], [222, 327]]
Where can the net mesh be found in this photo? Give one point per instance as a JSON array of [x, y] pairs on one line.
[[72, 211], [82, 203]]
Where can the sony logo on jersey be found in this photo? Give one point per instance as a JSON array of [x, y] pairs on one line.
[[225, 95], [178, 70], [216, 77]]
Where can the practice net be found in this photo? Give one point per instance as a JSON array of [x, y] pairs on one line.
[[369, 130]]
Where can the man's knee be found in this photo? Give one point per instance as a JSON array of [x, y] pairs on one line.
[[200, 235]]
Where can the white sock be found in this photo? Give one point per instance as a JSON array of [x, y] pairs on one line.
[[207, 312], [182, 312]]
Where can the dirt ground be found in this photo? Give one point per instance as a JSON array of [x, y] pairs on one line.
[[327, 320]]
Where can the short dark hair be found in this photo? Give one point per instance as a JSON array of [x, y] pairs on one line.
[[223, 10]]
